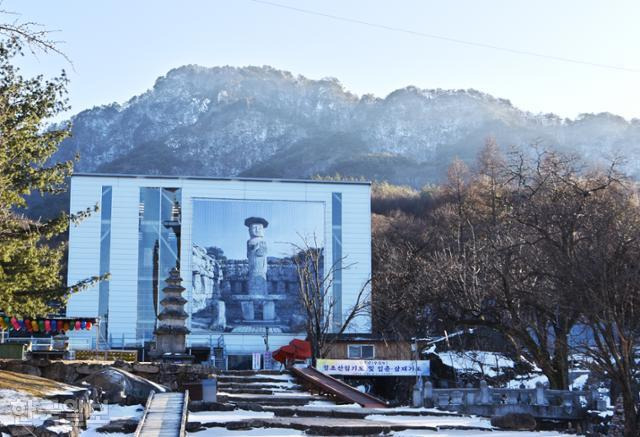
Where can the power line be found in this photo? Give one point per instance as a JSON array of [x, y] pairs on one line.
[[446, 38]]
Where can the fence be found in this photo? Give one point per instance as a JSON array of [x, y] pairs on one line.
[[132, 341], [91, 347], [47, 343], [540, 402]]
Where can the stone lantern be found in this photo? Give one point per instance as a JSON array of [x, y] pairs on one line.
[[171, 331]]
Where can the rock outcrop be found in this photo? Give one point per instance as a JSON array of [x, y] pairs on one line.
[[121, 426], [35, 406], [173, 376], [118, 386]]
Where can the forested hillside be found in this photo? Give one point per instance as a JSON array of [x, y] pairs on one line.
[[263, 122]]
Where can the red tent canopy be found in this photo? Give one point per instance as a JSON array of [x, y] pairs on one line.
[[295, 350], [302, 347]]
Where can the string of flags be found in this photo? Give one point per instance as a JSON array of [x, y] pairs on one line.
[[45, 325]]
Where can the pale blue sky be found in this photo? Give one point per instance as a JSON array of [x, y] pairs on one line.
[[120, 47]]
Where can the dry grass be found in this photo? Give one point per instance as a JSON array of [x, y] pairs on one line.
[[30, 384]]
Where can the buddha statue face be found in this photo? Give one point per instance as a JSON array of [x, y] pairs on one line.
[[256, 230]]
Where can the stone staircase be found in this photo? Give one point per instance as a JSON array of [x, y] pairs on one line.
[[270, 399], [262, 388]]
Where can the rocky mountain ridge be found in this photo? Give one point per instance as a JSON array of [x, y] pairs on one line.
[[264, 122]]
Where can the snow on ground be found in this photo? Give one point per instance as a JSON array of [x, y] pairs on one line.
[[278, 376], [284, 383], [228, 416], [21, 408], [529, 381], [64, 427], [580, 382], [475, 421], [431, 421], [34, 385], [259, 432], [286, 394], [456, 433], [329, 404], [487, 363], [416, 410], [109, 413], [284, 432]]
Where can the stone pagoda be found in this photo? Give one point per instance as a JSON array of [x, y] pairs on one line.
[[171, 331]]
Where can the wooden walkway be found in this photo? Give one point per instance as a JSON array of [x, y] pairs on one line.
[[164, 415]]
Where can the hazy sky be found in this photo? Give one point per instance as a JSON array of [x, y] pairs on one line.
[[120, 47]]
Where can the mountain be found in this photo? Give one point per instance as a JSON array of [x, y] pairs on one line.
[[263, 122]]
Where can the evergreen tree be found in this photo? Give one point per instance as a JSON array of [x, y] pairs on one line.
[[31, 280]]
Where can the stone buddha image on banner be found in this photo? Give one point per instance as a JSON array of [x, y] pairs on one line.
[[244, 278]]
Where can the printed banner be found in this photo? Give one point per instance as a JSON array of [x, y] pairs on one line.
[[243, 264], [373, 367]]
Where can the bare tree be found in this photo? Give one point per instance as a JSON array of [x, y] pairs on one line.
[[532, 246], [398, 306], [608, 296], [506, 253], [324, 318], [29, 34]]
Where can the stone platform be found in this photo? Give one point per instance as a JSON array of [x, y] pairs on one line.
[[251, 400]]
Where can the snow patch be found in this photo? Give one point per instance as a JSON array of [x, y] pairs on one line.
[[486, 363], [258, 432], [228, 416], [21, 408], [528, 381], [432, 420], [59, 429], [457, 433], [580, 382], [329, 404], [108, 413]]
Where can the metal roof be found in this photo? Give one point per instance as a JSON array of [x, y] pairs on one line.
[[206, 178]]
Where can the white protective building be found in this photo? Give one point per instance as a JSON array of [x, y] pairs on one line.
[[234, 242]]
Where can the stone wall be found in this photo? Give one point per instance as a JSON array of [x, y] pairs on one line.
[[173, 376]]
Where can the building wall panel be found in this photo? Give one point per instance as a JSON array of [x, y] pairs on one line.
[[84, 241]]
